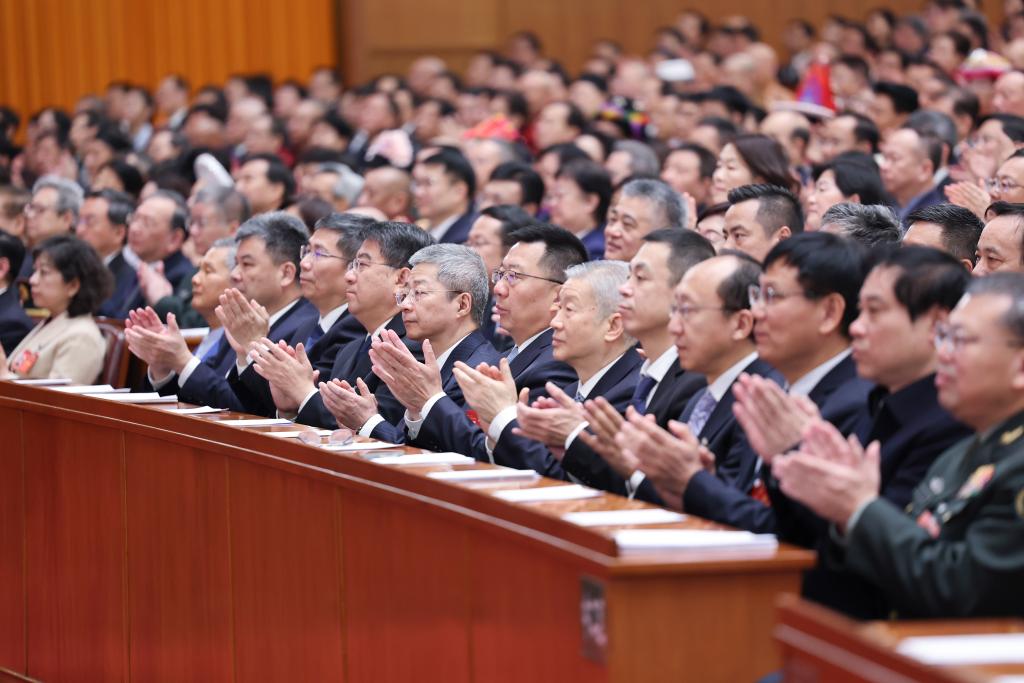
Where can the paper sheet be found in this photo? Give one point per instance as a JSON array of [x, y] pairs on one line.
[[200, 410], [641, 540], [91, 389], [613, 517], [992, 648], [139, 398], [295, 434], [500, 473], [44, 382], [359, 446], [425, 459], [546, 493], [255, 422]]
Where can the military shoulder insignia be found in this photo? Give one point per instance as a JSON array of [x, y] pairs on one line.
[[977, 481], [1011, 435], [1018, 503]]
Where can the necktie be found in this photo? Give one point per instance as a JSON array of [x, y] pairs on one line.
[[513, 352], [701, 412], [215, 346], [314, 336], [643, 388], [580, 398]]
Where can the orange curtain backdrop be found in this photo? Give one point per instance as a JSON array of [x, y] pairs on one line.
[[54, 51]]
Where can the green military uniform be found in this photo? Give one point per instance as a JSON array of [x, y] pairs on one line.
[[973, 495], [180, 304]]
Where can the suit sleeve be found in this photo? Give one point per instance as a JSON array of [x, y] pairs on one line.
[[935, 577], [526, 454], [252, 390], [315, 414], [206, 387], [709, 497], [582, 462], [446, 428]]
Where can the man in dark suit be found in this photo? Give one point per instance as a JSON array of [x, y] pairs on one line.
[[712, 327], [442, 304], [664, 387], [14, 322], [957, 550], [580, 198], [444, 187], [156, 231], [526, 285], [588, 336], [279, 383], [103, 223], [351, 388], [265, 302]]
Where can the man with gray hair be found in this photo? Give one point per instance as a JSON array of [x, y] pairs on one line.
[[52, 211], [869, 224], [589, 335], [264, 302], [631, 158], [641, 206], [443, 303], [336, 184]]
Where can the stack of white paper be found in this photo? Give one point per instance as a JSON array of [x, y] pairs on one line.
[[200, 410], [44, 382], [360, 446], [425, 459], [990, 648], [623, 517], [91, 389], [496, 473], [547, 493], [295, 434], [255, 422], [647, 540], [139, 398]]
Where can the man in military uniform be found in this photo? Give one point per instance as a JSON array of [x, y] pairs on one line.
[[958, 548]]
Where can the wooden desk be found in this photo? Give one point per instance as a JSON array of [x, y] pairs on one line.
[[141, 544], [821, 645]]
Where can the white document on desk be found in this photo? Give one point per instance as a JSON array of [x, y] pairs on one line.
[[44, 382], [295, 434], [140, 398], [653, 540], [989, 648], [91, 389], [256, 422], [358, 446], [425, 459], [497, 474], [199, 410], [623, 517], [547, 493]]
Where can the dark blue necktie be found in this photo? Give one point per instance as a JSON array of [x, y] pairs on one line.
[[314, 336], [643, 388]]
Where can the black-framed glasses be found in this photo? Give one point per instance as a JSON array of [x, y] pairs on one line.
[[359, 265], [512, 277], [319, 254]]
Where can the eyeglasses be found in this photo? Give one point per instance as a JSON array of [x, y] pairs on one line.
[[359, 265], [512, 277], [766, 296], [1000, 185], [318, 254], [31, 209], [946, 335], [684, 311], [416, 295]]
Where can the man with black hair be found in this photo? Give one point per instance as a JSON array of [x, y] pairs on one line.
[[14, 322], [550, 161], [588, 92], [848, 132], [642, 206], [759, 217], [558, 122], [515, 183], [726, 102], [491, 238], [713, 133], [580, 198], [891, 105], [911, 161], [1000, 246], [947, 227], [850, 78], [689, 168], [486, 154], [157, 229], [389, 190], [103, 223], [266, 182], [948, 50], [137, 116], [444, 186], [172, 100]]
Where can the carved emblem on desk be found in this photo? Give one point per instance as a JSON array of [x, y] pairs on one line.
[[593, 620]]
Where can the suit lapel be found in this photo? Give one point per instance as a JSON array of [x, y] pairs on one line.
[[526, 358]]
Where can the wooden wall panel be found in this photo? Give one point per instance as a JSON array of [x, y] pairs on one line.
[[179, 601], [75, 569], [12, 542]]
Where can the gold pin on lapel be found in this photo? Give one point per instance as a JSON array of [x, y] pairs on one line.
[[1018, 503], [1010, 436]]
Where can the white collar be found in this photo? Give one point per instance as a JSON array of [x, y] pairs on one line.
[[3, 290], [110, 257], [443, 358], [806, 384], [522, 347], [662, 364], [438, 231], [280, 314], [328, 319], [585, 389], [725, 380]]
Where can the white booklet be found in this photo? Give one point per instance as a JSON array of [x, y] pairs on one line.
[[989, 648], [425, 459], [91, 389], [140, 398], [623, 517], [255, 422], [547, 493], [44, 382], [653, 540], [496, 473]]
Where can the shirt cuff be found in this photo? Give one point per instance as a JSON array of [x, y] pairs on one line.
[[413, 426], [842, 538], [371, 424], [306, 400], [633, 484], [505, 416], [574, 433], [190, 367], [159, 383]]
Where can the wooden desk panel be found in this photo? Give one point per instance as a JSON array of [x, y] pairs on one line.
[[166, 547], [12, 542]]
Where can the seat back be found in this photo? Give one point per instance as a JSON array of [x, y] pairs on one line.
[[115, 361]]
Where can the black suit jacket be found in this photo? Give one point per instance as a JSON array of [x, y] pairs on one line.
[[254, 390], [177, 268], [125, 286], [616, 386], [14, 322], [447, 428], [458, 232], [206, 387], [352, 362], [472, 350], [671, 396]]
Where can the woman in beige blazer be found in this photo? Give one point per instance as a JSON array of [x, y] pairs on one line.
[[70, 281]]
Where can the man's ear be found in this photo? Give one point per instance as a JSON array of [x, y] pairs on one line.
[[615, 329], [5, 271], [744, 324], [783, 233], [402, 276], [834, 309], [289, 274]]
